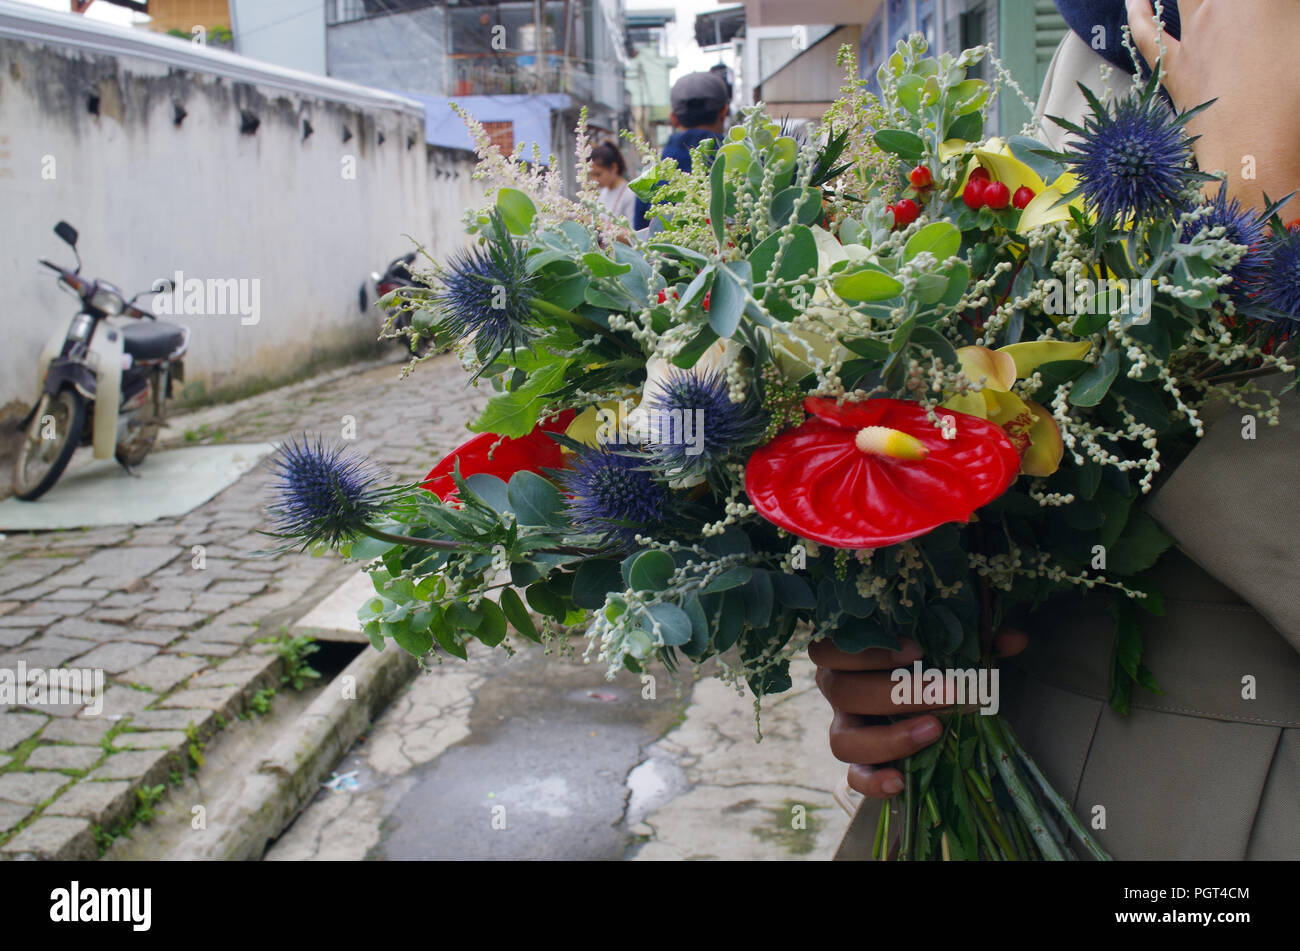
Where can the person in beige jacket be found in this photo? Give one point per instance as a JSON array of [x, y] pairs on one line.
[[1210, 768]]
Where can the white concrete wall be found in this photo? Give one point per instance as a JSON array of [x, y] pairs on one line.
[[285, 32], [309, 219]]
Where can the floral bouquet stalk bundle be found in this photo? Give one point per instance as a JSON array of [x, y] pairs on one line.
[[895, 381]]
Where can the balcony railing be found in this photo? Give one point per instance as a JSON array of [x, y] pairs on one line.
[[508, 73]]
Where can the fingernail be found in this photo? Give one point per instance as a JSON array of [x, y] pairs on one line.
[[892, 787], [925, 731]]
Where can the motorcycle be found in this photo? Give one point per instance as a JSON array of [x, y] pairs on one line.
[[101, 385], [397, 275]]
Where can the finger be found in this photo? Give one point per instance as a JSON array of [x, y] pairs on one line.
[[869, 693], [1147, 34], [824, 653], [876, 783], [854, 739], [1008, 642]]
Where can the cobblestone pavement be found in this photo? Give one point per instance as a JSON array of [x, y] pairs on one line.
[[179, 643]]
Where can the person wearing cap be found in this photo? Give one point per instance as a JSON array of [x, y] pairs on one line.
[[700, 102]]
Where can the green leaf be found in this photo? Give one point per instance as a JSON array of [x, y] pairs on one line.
[[515, 413], [517, 210], [940, 238], [866, 284], [804, 204], [792, 591], [968, 128], [602, 266], [931, 339], [534, 500], [728, 300], [732, 577], [674, 623], [650, 571], [759, 598], [859, 634], [545, 601], [594, 580], [1091, 388], [492, 629], [718, 198], [906, 145], [696, 289], [1138, 547], [868, 347], [414, 642], [513, 608]]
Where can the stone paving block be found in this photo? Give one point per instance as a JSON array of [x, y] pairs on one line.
[[117, 657], [32, 787], [27, 621], [13, 636], [108, 803], [55, 838], [79, 594], [163, 600], [122, 561], [18, 726], [163, 672], [178, 718], [159, 637], [7, 606], [227, 701], [227, 633], [113, 615], [237, 587], [33, 657], [11, 813], [123, 600], [151, 740], [86, 732], [216, 603], [172, 619], [149, 766], [85, 630], [194, 647], [47, 646], [119, 702], [64, 757]]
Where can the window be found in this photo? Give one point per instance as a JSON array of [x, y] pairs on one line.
[[925, 21], [900, 21], [871, 52]]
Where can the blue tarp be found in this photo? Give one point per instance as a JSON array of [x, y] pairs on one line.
[[531, 116]]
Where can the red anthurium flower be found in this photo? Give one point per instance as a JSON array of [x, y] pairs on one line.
[[878, 472], [534, 452]]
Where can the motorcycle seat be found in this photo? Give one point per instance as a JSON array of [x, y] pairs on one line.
[[152, 339]]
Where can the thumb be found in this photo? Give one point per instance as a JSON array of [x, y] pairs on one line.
[[1146, 34]]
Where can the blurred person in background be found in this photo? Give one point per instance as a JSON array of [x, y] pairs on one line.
[[609, 171]]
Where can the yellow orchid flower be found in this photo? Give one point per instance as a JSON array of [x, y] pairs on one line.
[[1031, 428], [1002, 165]]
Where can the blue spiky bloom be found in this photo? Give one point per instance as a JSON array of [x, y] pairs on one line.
[[1132, 159], [613, 494], [1279, 287], [1242, 226], [695, 425], [486, 293], [323, 494]]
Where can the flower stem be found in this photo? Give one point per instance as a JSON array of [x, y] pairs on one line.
[[553, 310], [1063, 808], [1006, 767]]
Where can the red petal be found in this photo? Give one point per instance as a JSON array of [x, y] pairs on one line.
[[814, 482], [534, 452]]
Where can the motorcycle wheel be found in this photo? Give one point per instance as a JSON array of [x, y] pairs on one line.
[[140, 438], [40, 460]]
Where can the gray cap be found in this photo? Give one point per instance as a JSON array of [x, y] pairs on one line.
[[702, 90]]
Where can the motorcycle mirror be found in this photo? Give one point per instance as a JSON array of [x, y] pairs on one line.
[[67, 233], [161, 286]]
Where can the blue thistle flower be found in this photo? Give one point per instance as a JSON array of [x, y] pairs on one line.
[[323, 494], [1242, 226], [1133, 160], [1278, 290], [695, 425], [613, 494], [486, 293]]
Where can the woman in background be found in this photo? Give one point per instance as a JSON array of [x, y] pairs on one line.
[[609, 171]]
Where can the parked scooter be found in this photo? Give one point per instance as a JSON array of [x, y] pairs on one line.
[[101, 385], [397, 275]]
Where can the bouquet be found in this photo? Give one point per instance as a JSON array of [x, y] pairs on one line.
[[893, 380]]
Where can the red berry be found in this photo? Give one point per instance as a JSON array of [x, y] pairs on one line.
[[996, 195], [920, 177], [663, 296], [980, 174], [1023, 196], [905, 212], [707, 295], [973, 195]]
